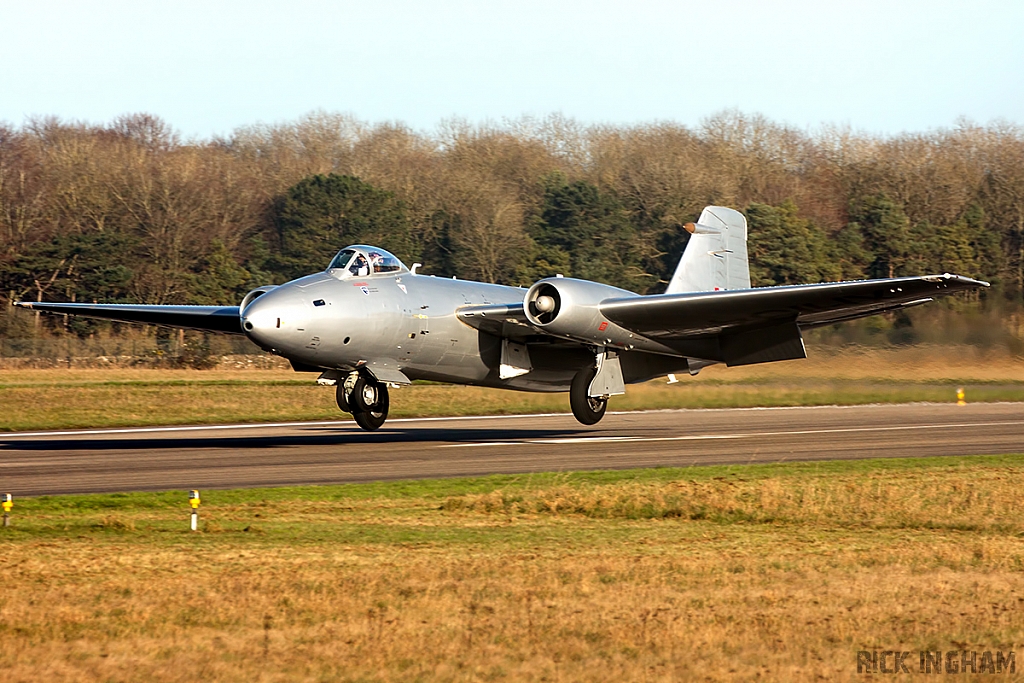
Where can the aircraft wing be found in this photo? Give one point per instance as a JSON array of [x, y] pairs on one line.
[[738, 326], [224, 319], [501, 320], [679, 316]]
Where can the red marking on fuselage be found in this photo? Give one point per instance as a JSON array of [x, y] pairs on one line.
[[602, 327]]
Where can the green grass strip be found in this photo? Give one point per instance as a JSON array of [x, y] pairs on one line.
[[443, 488]]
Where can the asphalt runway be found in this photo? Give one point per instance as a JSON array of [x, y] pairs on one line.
[[228, 456]]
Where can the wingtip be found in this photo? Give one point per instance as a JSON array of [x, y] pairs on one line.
[[23, 304], [959, 278]]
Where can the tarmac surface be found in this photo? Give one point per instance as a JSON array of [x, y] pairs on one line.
[[228, 456]]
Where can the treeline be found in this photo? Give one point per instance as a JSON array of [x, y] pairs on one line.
[[129, 211]]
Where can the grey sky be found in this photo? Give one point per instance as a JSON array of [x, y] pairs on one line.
[[207, 67]]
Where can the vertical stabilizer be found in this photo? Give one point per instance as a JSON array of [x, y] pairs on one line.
[[715, 258]]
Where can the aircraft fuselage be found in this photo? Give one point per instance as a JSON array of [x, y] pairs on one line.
[[404, 319]]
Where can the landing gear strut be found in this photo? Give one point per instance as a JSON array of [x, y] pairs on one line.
[[587, 409], [367, 400]]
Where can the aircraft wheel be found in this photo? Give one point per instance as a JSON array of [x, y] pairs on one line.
[[372, 421], [587, 409], [342, 398], [370, 402]]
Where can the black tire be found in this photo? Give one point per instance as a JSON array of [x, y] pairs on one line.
[[369, 401], [341, 398], [371, 422], [587, 410], [365, 395]]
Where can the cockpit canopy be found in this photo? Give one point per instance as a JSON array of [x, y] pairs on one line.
[[361, 260]]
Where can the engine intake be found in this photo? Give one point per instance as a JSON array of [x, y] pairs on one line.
[[545, 304], [253, 295]]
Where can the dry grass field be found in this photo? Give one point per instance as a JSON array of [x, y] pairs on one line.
[[59, 398], [773, 573]]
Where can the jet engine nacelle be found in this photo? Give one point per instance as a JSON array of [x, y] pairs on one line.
[[571, 308], [253, 295]]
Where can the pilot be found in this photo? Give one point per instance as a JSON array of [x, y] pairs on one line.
[[376, 260], [359, 267]]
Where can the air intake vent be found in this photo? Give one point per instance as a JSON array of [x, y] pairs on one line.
[[545, 303]]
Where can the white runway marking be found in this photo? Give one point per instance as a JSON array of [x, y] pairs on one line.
[[401, 420], [745, 435], [261, 425]]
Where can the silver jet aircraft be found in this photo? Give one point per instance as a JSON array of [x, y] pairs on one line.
[[368, 323]]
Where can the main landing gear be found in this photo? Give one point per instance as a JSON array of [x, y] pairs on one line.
[[592, 385], [587, 409], [366, 398]]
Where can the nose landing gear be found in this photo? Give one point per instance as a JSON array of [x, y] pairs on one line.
[[367, 400]]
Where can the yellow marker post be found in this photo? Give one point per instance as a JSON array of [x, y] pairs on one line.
[[193, 500], [960, 397], [8, 503]]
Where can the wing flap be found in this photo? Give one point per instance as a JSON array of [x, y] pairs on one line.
[[765, 345], [223, 319]]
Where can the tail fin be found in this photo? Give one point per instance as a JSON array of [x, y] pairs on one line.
[[715, 258]]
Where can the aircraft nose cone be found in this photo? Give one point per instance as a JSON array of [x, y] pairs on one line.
[[272, 319], [260, 319]]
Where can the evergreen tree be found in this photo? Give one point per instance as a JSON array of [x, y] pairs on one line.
[[849, 254], [988, 249], [219, 279], [785, 249], [76, 267], [584, 233], [887, 235]]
